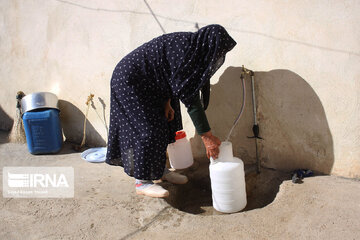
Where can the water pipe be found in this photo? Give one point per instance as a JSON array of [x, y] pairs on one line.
[[242, 77], [255, 128]]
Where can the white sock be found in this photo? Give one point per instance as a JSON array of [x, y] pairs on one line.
[[141, 184]]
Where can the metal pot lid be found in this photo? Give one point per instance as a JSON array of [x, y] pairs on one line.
[[39, 100], [95, 155]]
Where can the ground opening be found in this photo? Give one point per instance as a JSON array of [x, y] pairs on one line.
[[195, 196]]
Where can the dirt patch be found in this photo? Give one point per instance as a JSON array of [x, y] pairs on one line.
[[195, 196]]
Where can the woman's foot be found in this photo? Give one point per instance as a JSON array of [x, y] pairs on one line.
[[150, 189], [174, 177]]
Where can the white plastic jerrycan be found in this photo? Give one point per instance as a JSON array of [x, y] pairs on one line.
[[180, 154], [227, 181]]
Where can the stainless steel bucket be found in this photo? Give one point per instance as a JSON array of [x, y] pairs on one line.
[[39, 100]]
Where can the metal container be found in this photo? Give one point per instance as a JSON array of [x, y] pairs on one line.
[[39, 100]]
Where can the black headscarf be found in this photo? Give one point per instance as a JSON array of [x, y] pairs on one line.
[[203, 57]]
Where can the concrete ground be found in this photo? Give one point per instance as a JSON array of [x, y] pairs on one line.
[[105, 206]]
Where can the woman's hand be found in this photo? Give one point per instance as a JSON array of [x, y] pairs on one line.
[[212, 144], [169, 111]]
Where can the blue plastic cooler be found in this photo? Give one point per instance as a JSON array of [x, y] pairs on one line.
[[43, 131]]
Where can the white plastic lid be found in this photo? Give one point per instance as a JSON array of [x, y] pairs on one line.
[[95, 155]]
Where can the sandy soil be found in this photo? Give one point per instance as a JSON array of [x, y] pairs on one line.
[[105, 207]]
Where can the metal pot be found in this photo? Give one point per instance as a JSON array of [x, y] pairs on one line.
[[39, 100]]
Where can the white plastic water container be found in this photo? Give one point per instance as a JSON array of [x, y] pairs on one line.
[[180, 154], [227, 181]]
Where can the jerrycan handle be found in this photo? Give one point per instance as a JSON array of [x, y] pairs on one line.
[[213, 161], [225, 153]]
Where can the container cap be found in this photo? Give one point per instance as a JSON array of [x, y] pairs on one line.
[[180, 135]]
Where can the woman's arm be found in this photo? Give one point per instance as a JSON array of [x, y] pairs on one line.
[[199, 119], [198, 116]]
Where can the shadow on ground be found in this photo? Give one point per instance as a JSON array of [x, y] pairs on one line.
[[292, 122], [195, 196]]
